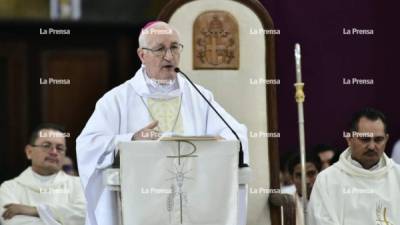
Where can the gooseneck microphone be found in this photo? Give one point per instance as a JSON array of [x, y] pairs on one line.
[[241, 160]]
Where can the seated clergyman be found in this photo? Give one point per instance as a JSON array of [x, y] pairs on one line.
[[313, 166], [363, 186], [43, 193]]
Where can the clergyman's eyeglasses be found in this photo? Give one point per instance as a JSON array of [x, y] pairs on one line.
[[47, 146]]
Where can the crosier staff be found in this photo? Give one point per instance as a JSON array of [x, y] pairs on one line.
[[299, 96]]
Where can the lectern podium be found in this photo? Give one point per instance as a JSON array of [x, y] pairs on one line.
[[186, 181]]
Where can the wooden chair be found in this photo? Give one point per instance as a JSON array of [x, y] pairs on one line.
[[234, 69]]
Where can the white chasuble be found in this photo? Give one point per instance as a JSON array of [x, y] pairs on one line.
[[179, 182], [345, 194], [58, 199], [168, 114], [118, 115]]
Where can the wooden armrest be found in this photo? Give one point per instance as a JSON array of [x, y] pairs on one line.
[[288, 203]]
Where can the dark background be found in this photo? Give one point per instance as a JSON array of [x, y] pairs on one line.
[[101, 53], [328, 56]]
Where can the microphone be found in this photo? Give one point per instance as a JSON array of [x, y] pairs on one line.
[[241, 160]]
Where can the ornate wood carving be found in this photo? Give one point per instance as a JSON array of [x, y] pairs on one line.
[[215, 41]]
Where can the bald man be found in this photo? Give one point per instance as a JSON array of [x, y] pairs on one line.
[[156, 100]]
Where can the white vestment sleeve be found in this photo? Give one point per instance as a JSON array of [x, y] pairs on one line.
[[55, 214], [321, 206], [23, 220], [97, 143], [72, 213], [8, 195], [46, 215], [96, 147]]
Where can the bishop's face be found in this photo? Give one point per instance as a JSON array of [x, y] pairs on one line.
[[369, 144], [162, 55]]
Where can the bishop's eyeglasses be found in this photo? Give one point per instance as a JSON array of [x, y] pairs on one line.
[[47, 146], [175, 49]]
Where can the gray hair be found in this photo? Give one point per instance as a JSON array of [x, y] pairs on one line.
[[144, 34]]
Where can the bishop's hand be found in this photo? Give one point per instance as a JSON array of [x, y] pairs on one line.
[[147, 133]]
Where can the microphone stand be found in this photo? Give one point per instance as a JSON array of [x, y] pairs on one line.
[[241, 160]]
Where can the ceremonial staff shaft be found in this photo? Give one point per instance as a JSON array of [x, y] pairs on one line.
[[300, 109]]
